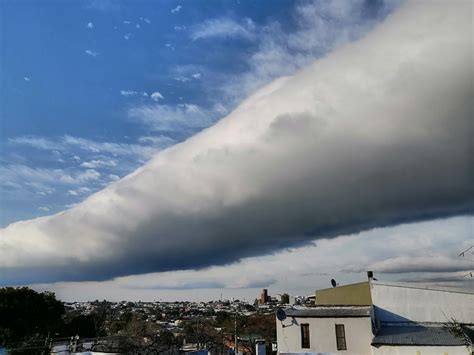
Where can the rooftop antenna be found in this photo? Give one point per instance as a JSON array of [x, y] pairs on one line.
[[281, 316], [370, 276]]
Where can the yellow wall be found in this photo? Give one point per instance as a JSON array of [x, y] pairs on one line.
[[351, 295]]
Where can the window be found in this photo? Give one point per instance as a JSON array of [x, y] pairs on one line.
[[305, 336], [341, 337]]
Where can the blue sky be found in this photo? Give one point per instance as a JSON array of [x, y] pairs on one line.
[[253, 135], [74, 72]]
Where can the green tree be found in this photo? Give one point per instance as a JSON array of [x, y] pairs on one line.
[[27, 317], [82, 325]]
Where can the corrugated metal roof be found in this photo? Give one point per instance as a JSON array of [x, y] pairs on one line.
[[415, 335], [330, 311]]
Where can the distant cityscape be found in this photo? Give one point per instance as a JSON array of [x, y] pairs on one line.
[[369, 317]]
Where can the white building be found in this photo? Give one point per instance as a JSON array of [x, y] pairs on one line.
[[380, 318]]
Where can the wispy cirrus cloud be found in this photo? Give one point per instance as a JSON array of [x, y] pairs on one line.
[[96, 163], [91, 53], [167, 118], [104, 5], [142, 150], [321, 26], [24, 173], [224, 28], [127, 93], [156, 96], [79, 191], [71, 168], [176, 9]]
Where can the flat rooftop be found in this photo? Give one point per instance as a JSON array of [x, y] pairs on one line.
[[330, 311]]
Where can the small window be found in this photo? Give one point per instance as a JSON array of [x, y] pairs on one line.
[[341, 337], [305, 336]]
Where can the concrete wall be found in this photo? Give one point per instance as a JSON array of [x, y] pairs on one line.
[[421, 350], [396, 302], [357, 294], [323, 335]]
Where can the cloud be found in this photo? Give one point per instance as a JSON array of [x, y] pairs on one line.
[[176, 9], [186, 73], [224, 28], [373, 134], [43, 209], [97, 163], [297, 271], [88, 175], [128, 93], [127, 36], [37, 142], [208, 278], [182, 79], [91, 53], [40, 178], [321, 26], [167, 118], [132, 93], [26, 79], [431, 263], [456, 279], [90, 25], [79, 191], [335, 258], [104, 5], [101, 163], [156, 96], [65, 143]]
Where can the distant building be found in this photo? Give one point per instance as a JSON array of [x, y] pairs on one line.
[[285, 298], [264, 298], [378, 318]]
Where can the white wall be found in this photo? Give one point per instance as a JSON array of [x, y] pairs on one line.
[[397, 302], [323, 335], [423, 350]]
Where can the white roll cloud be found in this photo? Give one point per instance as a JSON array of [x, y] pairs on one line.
[[375, 133]]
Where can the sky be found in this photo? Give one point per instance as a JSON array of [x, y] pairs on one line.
[[188, 149]]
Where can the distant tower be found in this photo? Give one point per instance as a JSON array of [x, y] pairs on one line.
[[264, 296]]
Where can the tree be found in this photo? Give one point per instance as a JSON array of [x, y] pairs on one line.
[[82, 325], [28, 317], [461, 331]]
